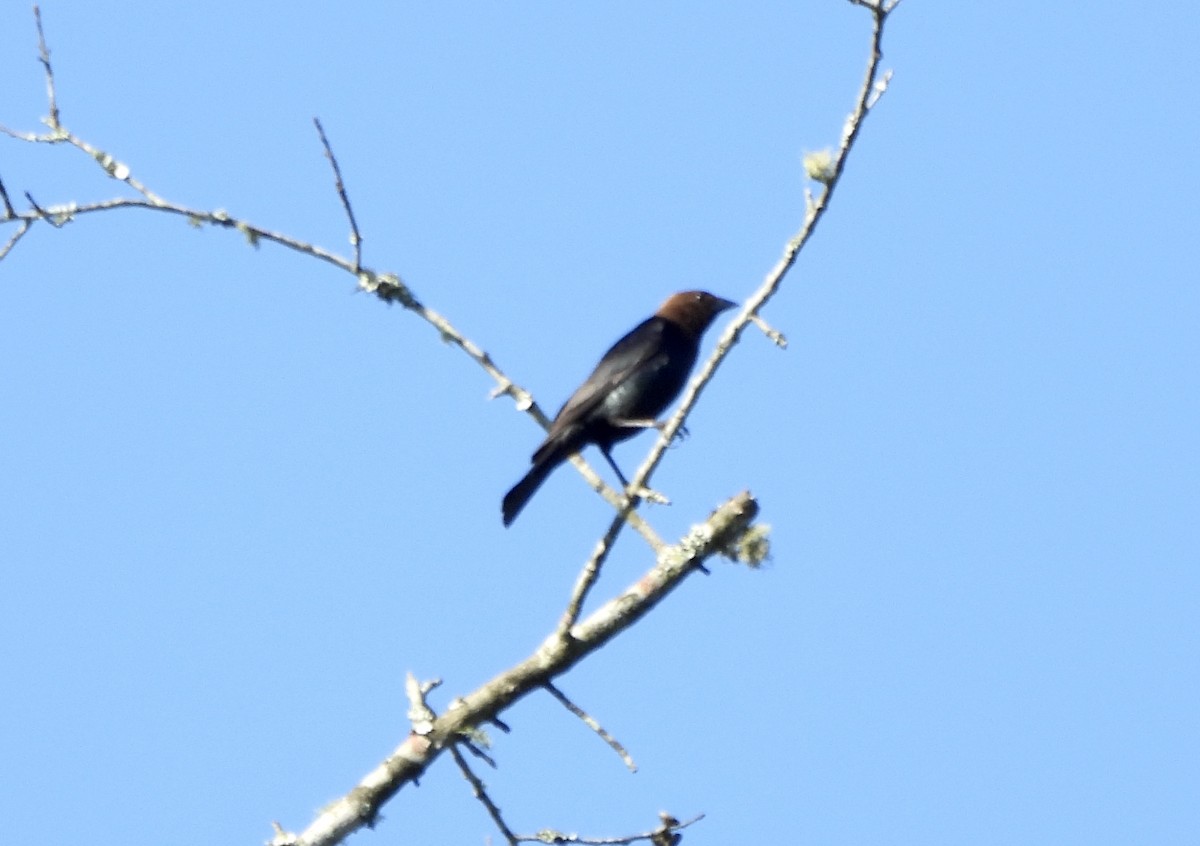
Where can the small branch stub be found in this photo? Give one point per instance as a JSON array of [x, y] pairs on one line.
[[419, 713]]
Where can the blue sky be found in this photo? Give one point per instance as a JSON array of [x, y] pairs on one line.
[[238, 502]]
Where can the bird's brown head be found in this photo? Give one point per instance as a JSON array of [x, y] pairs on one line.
[[694, 311]]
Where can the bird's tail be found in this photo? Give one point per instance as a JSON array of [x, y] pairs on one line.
[[516, 498]]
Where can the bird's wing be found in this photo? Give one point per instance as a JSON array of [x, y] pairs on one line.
[[638, 349]]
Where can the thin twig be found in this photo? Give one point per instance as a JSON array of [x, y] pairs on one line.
[[591, 723], [474, 749], [12, 242], [41, 214], [340, 185], [109, 164], [658, 835], [31, 137], [9, 211], [480, 791], [44, 58], [776, 337], [219, 218], [590, 573]]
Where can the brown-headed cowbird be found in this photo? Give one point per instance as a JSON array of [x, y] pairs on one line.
[[635, 380]]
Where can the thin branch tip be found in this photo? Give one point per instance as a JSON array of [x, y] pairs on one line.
[[9, 212], [44, 58], [589, 721], [479, 790], [340, 186]]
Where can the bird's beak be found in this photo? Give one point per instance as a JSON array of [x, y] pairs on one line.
[[724, 304]]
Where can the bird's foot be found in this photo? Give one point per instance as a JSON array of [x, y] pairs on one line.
[[681, 434]]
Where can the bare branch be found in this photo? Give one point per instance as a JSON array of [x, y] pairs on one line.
[[109, 164], [474, 749], [355, 237], [39, 213], [12, 242], [591, 723], [665, 834], [480, 791], [44, 58], [590, 573], [776, 337], [9, 212], [419, 713]]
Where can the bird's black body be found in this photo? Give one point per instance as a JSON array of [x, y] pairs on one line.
[[634, 382]]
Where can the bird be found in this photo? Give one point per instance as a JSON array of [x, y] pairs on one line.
[[637, 378]]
